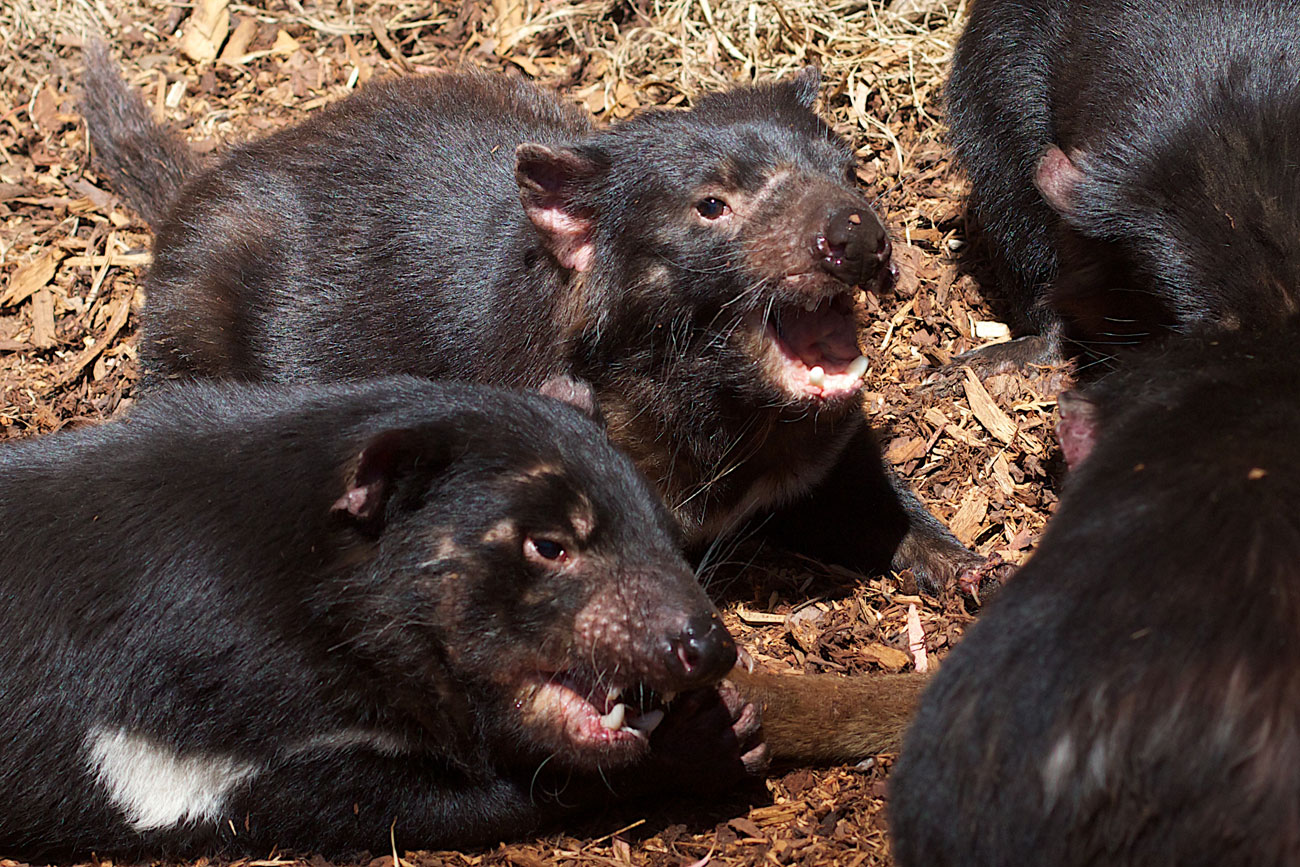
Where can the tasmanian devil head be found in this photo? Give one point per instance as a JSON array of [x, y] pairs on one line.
[[1191, 225], [717, 247], [520, 566]]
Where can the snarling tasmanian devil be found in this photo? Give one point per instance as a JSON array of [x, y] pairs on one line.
[[311, 617], [248, 617], [698, 267]]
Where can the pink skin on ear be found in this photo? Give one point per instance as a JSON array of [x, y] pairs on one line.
[[360, 502], [570, 238], [1077, 430], [368, 489], [548, 181], [1057, 178]]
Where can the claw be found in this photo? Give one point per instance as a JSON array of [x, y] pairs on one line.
[[990, 575]]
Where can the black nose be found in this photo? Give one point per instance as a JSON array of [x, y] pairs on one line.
[[854, 246], [703, 653]]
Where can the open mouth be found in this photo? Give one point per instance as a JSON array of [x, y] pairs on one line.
[[589, 714], [810, 349]]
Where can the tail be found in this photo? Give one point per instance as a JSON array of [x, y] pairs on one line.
[[145, 162], [829, 719]]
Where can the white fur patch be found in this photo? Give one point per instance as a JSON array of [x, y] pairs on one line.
[[1058, 766], [156, 787]]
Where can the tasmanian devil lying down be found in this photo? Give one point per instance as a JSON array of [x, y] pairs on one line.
[[1132, 697], [697, 267], [249, 617], [262, 616]]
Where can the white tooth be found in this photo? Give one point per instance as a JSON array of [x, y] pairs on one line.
[[614, 694], [858, 367], [614, 719], [668, 697], [810, 305], [816, 377], [648, 721]]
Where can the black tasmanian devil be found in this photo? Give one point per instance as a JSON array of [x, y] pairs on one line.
[[1135, 164], [697, 267], [259, 616], [309, 617], [1132, 697]]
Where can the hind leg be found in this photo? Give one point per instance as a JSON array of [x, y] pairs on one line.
[[215, 274]]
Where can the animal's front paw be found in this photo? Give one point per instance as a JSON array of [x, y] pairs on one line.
[[980, 581], [937, 562], [710, 740]]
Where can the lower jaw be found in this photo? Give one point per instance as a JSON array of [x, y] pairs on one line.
[[591, 753], [769, 390], [563, 753], [834, 390], [575, 730], [799, 383]]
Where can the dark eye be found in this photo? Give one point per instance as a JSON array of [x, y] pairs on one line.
[[546, 549], [712, 208]]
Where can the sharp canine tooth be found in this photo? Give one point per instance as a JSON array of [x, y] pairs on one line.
[[816, 377], [858, 367], [614, 694], [614, 719], [648, 721]]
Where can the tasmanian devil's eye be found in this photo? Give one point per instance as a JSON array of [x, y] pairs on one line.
[[712, 208], [545, 549]]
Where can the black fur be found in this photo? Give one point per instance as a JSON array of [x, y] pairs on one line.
[[476, 227], [348, 606], [1177, 202], [1132, 697]]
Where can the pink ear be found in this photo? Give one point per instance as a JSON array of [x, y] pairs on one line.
[[549, 181], [377, 467], [1077, 430], [1057, 178]]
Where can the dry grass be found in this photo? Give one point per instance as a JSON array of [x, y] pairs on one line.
[[67, 331]]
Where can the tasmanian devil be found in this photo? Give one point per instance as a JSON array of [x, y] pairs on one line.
[[1133, 163], [697, 267], [249, 617], [309, 617], [1132, 697]]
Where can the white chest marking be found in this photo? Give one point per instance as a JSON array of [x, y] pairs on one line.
[[154, 786]]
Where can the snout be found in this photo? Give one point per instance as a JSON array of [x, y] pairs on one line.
[[852, 246], [653, 627], [700, 653]]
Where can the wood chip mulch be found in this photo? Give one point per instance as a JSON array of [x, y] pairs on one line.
[[981, 454]]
